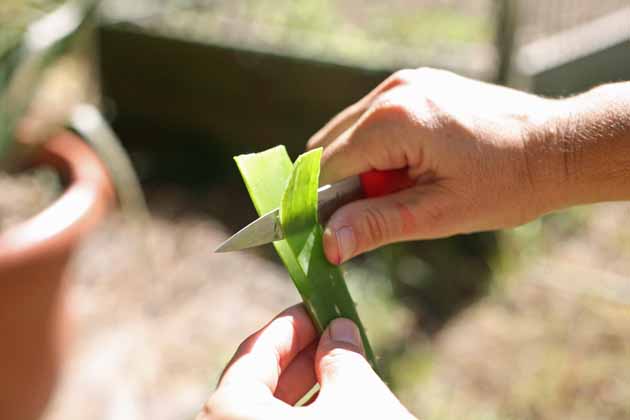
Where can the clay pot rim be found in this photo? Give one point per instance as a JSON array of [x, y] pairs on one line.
[[57, 228]]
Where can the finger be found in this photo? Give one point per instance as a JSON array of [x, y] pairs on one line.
[[420, 212], [340, 362], [349, 116], [337, 125], [346, 378], [299, 377], [263, 357], [387, 136]]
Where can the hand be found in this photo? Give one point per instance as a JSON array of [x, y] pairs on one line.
[[277, 365], [465, 141]]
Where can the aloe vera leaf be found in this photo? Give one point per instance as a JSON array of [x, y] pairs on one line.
[[298, 215], [266, 174], [273, 182]]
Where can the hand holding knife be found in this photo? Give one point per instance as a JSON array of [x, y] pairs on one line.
[[370, 184]]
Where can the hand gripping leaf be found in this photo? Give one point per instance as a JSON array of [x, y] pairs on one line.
[[272, 182]]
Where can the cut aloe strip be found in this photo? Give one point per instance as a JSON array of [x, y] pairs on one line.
[[273, 182]]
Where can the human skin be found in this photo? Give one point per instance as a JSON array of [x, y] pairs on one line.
[[277, 365], [485, 157]]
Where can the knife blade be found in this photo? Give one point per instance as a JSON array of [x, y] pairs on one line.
[[267, 228]]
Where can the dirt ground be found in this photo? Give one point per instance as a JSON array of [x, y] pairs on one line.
[[25, 195], [551, 342], [158, 315]]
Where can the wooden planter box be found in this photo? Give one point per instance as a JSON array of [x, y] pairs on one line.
[[249, 99]]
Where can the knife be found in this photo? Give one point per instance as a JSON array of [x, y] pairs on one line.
[[330, 197]]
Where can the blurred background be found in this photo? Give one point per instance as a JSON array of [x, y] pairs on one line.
[[529, 323]]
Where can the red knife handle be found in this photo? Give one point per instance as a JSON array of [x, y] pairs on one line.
[[378, 183]]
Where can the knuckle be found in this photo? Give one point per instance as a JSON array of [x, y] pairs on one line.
[[418, 76], [214, 409], [404, 76], [429, 73], [314, 141], [341, 357], [375, 226], [389, 109], [437, 115], [422, 72]]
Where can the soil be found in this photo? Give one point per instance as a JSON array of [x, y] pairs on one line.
[[551, 343], [26, 194], [158, 315]]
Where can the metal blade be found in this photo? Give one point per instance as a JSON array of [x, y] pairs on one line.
[[261, 231], [267, 228]]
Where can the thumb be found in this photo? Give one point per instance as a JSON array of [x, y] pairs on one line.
[[340, 363], [414, 213], [349, 388]]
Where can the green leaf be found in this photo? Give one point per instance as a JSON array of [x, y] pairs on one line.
[[265, 174], [273, 182]]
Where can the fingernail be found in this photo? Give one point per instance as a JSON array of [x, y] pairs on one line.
[[345, 331], [346, 243]]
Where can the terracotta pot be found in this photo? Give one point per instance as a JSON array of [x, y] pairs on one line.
[[34, 258]]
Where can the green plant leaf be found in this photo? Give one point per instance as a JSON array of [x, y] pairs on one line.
[[273, 182]]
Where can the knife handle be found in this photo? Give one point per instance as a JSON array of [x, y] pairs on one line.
[[378, 183]]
